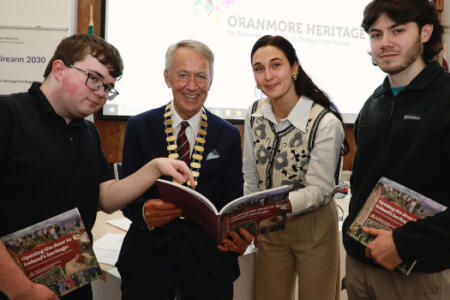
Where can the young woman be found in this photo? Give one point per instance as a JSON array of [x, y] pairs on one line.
[[294, 136]]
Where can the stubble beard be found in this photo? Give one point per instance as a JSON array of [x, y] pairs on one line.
[[412, 54]]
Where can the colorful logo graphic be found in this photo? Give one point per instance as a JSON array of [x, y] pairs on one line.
[[212, 9]]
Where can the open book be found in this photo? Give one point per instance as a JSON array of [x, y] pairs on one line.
[[56, 252], [389, 206], [260, 212]]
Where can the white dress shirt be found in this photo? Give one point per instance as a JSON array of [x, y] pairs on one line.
[[191, 130], [319, 179]]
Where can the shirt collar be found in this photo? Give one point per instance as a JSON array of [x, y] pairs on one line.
[[298, 116], [36, 91], [194, 122], [425, 77], [43, 102]]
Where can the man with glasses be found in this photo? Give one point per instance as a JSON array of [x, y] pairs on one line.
[[95, 83], [51, 158]]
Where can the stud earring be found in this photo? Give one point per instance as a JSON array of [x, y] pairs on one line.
[[294, 76]]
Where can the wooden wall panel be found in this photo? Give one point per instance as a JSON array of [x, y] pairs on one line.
[[84, 13], [439, 7], [348, 158], [112, 135]]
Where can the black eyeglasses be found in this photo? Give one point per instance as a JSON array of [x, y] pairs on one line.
[[95, 83]]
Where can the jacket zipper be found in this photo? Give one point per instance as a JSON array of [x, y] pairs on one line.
[[387, 139]]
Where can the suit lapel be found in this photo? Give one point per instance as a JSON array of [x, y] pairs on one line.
[[157, 130], [213, 134]]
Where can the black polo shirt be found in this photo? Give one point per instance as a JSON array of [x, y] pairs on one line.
[[46, 166]]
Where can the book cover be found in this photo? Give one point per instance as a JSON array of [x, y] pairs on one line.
[[56, 252], [389, 206], [260, 212]]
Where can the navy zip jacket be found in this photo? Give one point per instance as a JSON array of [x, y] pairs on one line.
[[406, 138]]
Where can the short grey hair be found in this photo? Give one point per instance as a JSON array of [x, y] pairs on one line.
[[197, 46]]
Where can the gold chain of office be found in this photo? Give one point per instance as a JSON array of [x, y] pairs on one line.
[[197, 155]]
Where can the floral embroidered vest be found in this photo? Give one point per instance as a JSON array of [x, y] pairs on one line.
[[283, 157]]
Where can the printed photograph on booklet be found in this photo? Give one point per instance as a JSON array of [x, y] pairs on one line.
[[258, 215], [391, 205], [56, 252]]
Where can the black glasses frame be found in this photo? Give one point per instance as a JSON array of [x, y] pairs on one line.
[[109, 89]]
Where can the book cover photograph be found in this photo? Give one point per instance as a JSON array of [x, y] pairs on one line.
[[391, 205], [260, 212], [56, 252]]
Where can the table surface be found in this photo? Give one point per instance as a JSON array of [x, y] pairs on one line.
[[243, 286], [101, 228]]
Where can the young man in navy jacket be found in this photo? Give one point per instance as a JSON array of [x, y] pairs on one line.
[[403, 133]]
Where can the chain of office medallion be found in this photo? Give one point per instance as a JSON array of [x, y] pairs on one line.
[[200, 140]]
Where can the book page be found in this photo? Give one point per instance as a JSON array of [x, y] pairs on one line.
[[122, 223], [253, 198], [259, 213], [107, 248]]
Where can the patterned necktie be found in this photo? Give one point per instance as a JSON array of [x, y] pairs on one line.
[[183, 144]]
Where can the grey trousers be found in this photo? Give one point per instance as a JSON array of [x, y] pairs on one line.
[[366, 282]]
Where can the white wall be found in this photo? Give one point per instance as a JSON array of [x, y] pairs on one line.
[[30, 30], [44, 13]]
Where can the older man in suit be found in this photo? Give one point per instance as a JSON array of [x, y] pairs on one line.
[[163, 252]]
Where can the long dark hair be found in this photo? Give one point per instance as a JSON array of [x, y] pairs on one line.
[[304, 84]]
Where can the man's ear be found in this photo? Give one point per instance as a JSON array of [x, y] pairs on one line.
[[167, 79], [210, 83], [426, 32], [58, 67]]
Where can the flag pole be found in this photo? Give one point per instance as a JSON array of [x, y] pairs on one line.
[[91, 21]]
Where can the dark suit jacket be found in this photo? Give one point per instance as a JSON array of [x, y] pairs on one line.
[[220, 181]]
